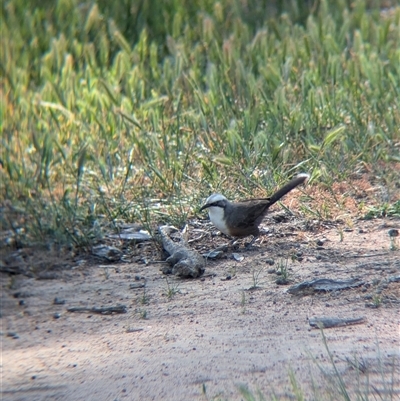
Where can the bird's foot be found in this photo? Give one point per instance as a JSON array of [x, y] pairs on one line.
[[250, 245]]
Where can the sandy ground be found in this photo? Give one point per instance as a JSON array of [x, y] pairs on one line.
[[181, 337]]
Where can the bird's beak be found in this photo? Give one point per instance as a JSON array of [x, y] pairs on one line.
[[204, 207]]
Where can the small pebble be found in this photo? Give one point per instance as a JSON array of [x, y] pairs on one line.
[[270, 262], [393, 232], [282, 281], [237, 257], [21, 302], [58, 301], [134, 286], [320, 242], [57, 315], [373, 306]]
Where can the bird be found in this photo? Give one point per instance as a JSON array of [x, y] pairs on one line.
[[241, 219]]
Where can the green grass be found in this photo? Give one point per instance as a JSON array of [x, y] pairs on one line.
[[137, 111], [283, 272], [256, 272], [384, 210], [171, 290]]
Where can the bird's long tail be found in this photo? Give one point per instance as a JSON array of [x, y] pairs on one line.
[[293, 183]]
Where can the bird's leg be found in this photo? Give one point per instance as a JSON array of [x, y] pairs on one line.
[[250, 244], [232, 241], [225, 247]]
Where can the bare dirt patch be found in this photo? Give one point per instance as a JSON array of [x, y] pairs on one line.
[[233, 326]]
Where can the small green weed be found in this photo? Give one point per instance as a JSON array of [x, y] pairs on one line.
[[243, 302], [144, 299], [255, 274], [172, 290], [376, 300], [384, 210], [283, 272]]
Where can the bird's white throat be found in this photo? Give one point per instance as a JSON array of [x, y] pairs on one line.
[[216, 215]]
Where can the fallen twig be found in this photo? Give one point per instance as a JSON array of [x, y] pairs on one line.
[[326, 322], [106, 310]]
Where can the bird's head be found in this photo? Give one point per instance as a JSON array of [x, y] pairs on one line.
[[215, 201]]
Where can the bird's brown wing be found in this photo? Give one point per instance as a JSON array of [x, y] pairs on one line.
[[262, 200], [249, 213], [243, 218], [257, 208]]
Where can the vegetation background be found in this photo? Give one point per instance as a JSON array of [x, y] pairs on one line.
[[137, 110]]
